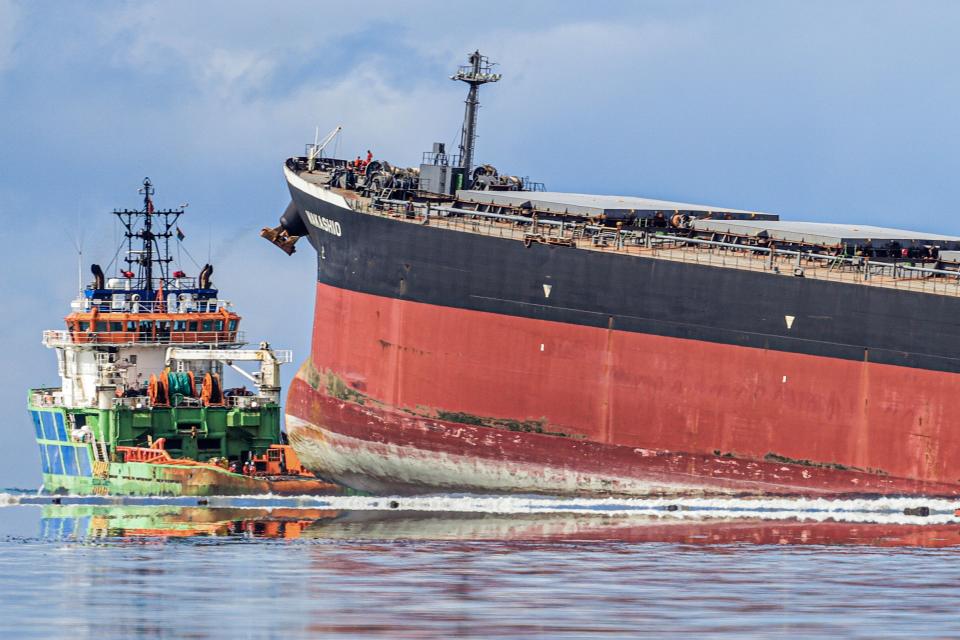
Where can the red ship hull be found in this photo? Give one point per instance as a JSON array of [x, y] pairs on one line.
[[402, 396]]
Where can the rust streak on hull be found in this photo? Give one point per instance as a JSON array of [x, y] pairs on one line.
[[388, 451]]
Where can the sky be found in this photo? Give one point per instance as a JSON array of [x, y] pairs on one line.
[[821, 111]]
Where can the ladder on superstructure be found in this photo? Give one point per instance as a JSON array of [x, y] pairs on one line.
[[101, 453]]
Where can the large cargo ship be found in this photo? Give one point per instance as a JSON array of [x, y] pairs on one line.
[[473, 331], [140, 409]]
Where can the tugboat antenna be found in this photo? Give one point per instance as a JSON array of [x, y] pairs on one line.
[[478, 72]]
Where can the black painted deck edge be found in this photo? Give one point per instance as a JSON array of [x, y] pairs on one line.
[[396, 259]]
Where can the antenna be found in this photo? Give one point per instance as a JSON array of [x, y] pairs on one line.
[[478, 72], [78, 240]]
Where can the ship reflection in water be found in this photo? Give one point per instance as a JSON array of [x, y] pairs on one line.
[[272, 568], [84, 522]]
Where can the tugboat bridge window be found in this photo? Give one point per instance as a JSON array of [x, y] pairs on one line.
[[163, 330], [193, 325], [101, 327], [208, 325], [116, 326], [84, 326]]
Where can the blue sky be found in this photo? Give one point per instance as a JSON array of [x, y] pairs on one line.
[[839, 111]]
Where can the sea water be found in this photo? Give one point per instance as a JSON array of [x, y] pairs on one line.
[[477, 566]]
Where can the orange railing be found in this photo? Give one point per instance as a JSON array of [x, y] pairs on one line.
[[58, 337], [144, 454]]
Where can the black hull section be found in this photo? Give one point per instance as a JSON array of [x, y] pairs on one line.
[[398, 259]]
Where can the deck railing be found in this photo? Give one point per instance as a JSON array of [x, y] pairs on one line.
[[106, 305], [902, 275], [46, 397], [240, 402], [49, 397], [63, 337]]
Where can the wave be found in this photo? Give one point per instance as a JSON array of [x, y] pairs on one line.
[[880, 510]]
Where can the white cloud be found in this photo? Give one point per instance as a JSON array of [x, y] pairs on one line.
[[572, 47], [232, 102], [231, 49], [188, 43], [372, 110], [235, 70]]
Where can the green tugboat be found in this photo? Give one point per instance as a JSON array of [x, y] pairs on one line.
[[141, 410]]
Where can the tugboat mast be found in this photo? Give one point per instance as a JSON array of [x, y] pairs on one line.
[[478, 72], [151, 251], [147, 258]]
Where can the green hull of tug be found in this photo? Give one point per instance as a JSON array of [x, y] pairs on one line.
[[152, 480], [193, 433]]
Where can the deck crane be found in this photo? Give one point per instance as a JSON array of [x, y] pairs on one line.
[[317, 148]]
